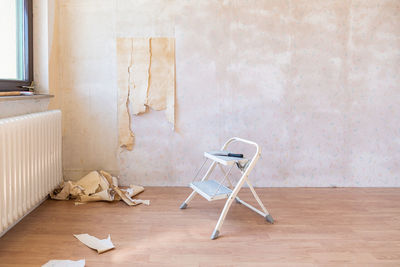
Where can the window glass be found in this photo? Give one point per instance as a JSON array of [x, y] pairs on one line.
[[12, 59]]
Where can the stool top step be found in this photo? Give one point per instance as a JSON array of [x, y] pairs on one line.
[[224, 160]]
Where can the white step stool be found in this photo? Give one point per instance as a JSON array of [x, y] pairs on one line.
[[214, 190]]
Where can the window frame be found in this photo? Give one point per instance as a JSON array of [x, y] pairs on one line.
[[17, 85]]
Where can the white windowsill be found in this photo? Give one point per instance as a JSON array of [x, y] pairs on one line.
[[24, 97]]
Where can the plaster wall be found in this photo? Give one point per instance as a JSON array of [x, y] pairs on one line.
[[21, 107], [316, 83]]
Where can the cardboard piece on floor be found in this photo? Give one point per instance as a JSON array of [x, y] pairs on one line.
[[105, 195], [141, 201], [67, 189], [124, 197], [98, 186], [101, 245], [133, 190], [93, 183], [110, 179], [64, 263]]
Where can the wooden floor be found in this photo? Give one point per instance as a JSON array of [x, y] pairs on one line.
[[313, 227]]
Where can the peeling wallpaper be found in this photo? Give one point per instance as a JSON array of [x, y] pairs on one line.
[[146, 79], [316, 83]]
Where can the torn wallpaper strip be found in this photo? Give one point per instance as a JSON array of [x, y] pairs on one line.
[[139, 71], [146, 78], [101, 245], [161, 93], [64, 263], [124, 61]]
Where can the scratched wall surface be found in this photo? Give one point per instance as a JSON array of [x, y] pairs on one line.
[[316, 83]]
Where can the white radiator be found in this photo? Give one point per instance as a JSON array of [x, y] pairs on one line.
[[30, 163]]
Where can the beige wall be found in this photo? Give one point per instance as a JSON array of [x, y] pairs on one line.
[[315, 83], [22, 107]]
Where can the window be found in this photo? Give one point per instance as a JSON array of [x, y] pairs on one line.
[[16, 66]]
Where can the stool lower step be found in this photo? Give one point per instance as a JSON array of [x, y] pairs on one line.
[[211, 190]]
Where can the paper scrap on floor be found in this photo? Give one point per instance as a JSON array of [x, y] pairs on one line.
[[101, 245], [64, 263], [98, 186]]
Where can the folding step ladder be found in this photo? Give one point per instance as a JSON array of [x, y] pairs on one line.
[[214, 190]]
